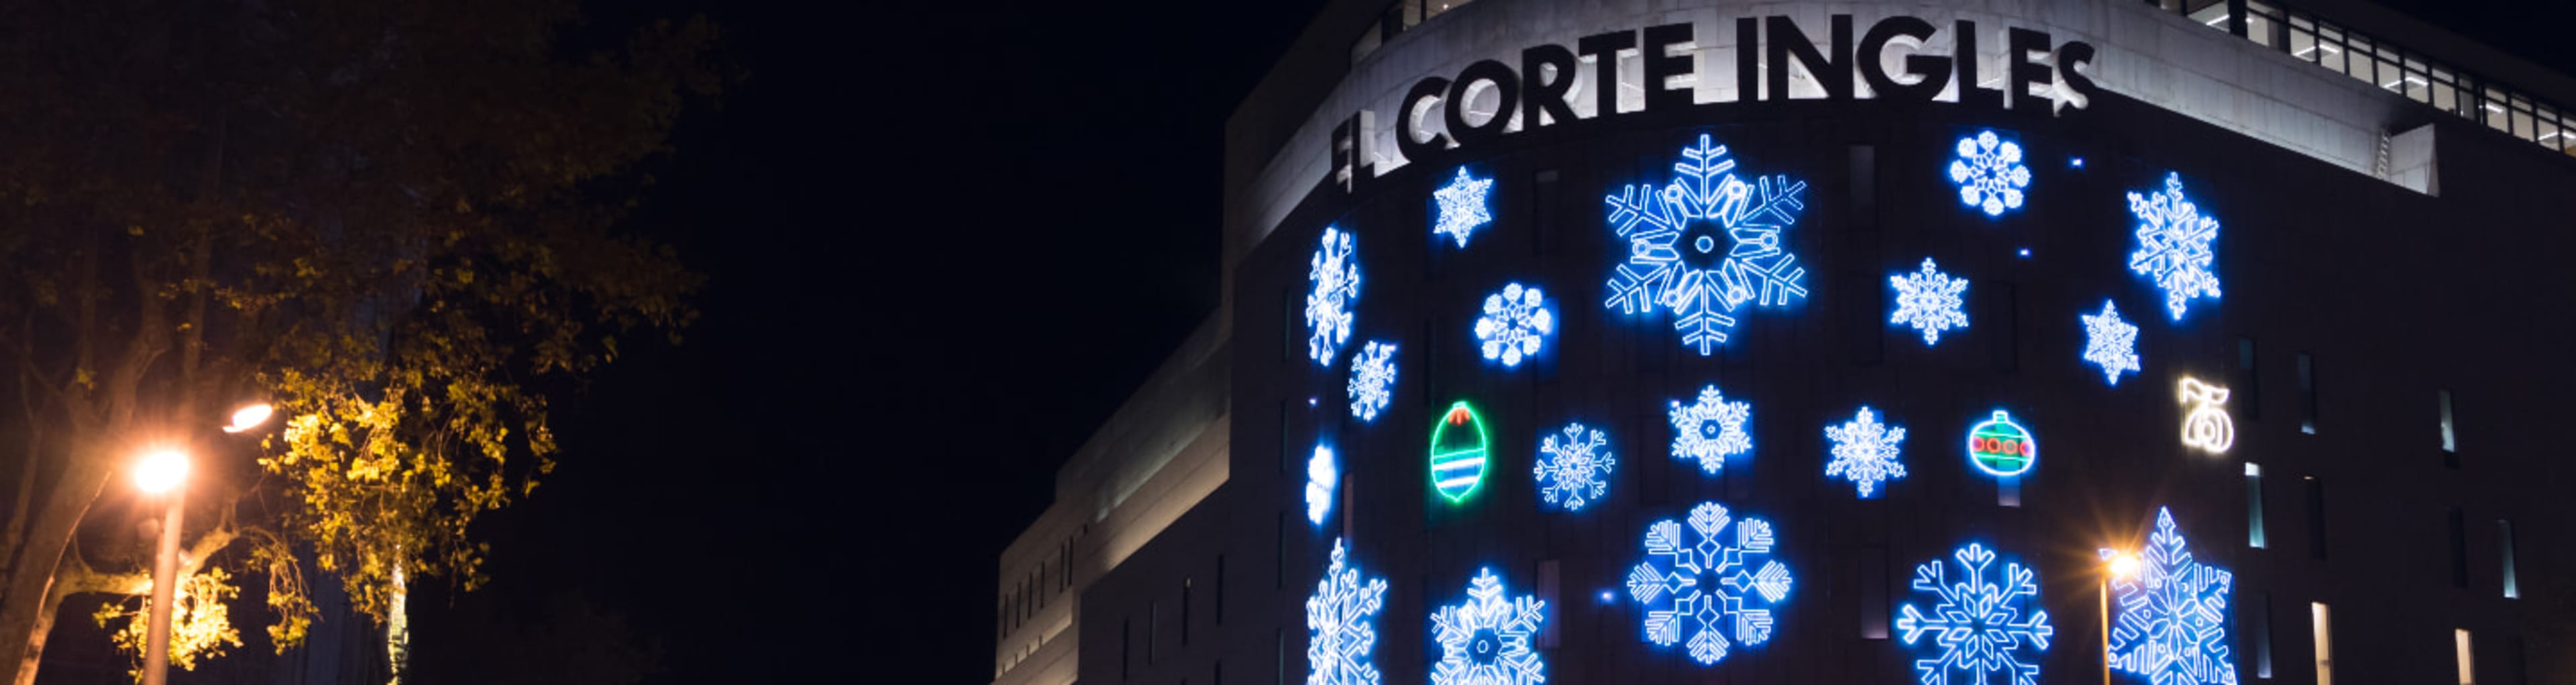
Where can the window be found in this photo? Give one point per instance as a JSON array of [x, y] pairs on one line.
[[1279, 636], [2461, 655], [2450, 439], [2248, 384], [2325, 643], [2316, 518], [1125, 631], [2254, 505], [1219, 676], [1220, 593], [2504, 540], [1279, 552], [2459, 549], [1185, 612], [1873, 593], [1153, 629], [2261, 633], [2307, 394]]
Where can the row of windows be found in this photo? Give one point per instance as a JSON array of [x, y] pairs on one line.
[[1398, 17], [1038, 588], [1154, 623]]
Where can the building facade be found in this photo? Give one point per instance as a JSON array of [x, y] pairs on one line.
[[1718, 341]]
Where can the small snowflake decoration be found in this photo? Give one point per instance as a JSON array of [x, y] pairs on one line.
[[1978, 624], [1486, 641], [1336, 279], [1339, 617], [1514, 323], [1693, 278], [2170, 623], [1929, 301], [2174, 245], [1705, 584], [1710, 429], [2110, 342], [1463, 207], [1575, 469], [1989, 173], [1372, 379], [1865, 452], [1321, 477]]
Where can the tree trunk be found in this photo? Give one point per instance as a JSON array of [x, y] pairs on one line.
[[28, 612]]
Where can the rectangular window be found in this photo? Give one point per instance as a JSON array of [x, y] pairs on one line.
[[1287, 445], [2504, 540], [2253, 505], [1126, 631], [1549, 572], [2460, 654], [1219, 676], [1873, 593], [2307, 394], [1279, 552], [1153, 629], [2325, 643], [2517, 659], [2459, 549], [1279, 656], [1185, 612], [2316, 518], [2262, 634], [2450, 439], [1220, 589], [2248, 390]]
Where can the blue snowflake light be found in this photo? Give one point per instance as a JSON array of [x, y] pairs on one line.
[[1322, 475], [2110, 342], [1694, 279], [1516, 320], [1710, 429], [1335, 275], [1929, 301], [1705, 583], [1340, 624], [1574, 468], [1990, 173], [1463, 207], [1372, 379], [2174, 245], [1978, 626], [1866, 452], [2170, 621], [1486, 641]]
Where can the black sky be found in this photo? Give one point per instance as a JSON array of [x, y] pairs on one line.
[[944, 240]]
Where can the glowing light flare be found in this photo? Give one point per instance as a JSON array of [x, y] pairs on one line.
[[2002, 448], [160, 470], [2169, 619], [249, 417], [1459, 451], [2207, 427], [2123, 565]]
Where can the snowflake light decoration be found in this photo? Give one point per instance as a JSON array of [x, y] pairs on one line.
[[1322, 475], [1929, 301], [2110, 342], [1463, 207], [1707, 582], [1693, 278], [1866, 452], [2174, 245], [1340, 620], [2170, 622], [1978, 624], [1372, 379], [1574, 470], [1336, 279], [1989, 173], [1486, 641], [1710, 429], [1516, 320]]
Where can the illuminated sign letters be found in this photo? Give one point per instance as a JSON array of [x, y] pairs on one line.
[[2207, 426]]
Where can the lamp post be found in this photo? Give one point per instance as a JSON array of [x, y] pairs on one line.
[[2115, 566], [160, 472]]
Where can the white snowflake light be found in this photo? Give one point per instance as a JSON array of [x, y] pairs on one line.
[[1978, 626], [1516, 320], [1710, 429], [2174, 245], [1866, 452], [1693, 278], [2170, 621], [2207, 427], [1340, 617], [1929, 301], [1463, 207], [1574, 468], [1989, 173], [1708, 581], [1335, 275], [2110, 342], [1322, 475], [1486, 641], [1372, 379]]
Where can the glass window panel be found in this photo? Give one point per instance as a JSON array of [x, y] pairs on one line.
[[2445, 98], [2300, 21], [2522, 124], [2259, 28], [2303, 44]]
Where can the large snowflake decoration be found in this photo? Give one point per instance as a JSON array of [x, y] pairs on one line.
[[1336, 278], [1978, 625], [1463, 207], [1710, 429], [1339, 618], [1322, 475], [1372, 379], [2110, 342], [2174, 243], [1705, 585], [1486, 641], [1929, 301], [1865, 451], [2170, 623], [1989, 173], [1575, 469], [1693, 278], [1516, 320]]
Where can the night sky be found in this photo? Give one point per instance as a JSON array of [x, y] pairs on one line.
[[943, 244]]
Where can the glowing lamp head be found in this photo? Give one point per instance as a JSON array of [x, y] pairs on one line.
[[2124, 566], [160, 471], [249, 417]]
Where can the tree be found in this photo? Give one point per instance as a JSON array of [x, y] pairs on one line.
[[392, 220]]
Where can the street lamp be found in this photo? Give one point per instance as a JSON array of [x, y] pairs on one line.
[[2115, 566], [163, 472]]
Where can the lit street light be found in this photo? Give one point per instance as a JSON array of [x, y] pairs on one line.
[[2117, 566], [165, 472], [249, 417]]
